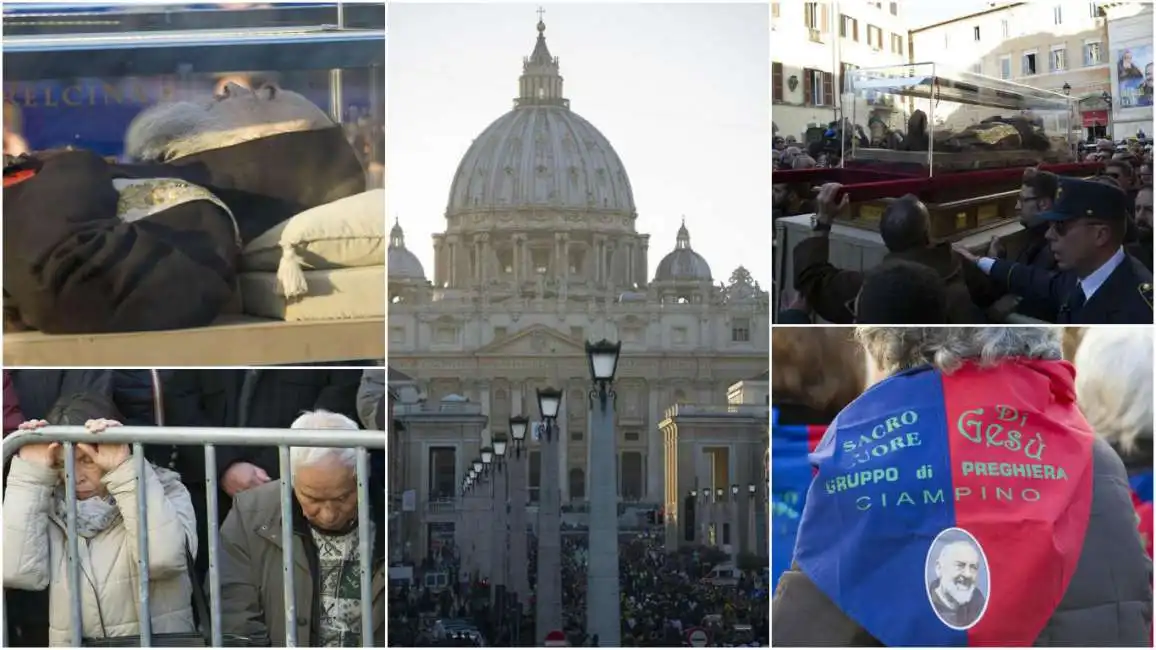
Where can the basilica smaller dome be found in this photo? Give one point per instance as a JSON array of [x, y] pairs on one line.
[[403, 264], [683, 264]]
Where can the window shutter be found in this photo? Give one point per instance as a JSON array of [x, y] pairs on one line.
[[808, 92], [776, 82], [825, 26], [828, 89]]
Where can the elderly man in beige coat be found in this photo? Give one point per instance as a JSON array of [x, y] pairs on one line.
[[325, 553]]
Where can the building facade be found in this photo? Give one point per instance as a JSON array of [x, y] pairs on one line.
[[1043, 45], [540, 254], [709, 450], [1130, 43], [814, 43]]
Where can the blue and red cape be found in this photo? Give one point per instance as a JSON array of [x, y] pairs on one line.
[[950, 509]]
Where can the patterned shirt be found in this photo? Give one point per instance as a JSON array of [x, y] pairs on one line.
[[339, 561]]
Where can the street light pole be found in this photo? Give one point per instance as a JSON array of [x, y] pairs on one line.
[[734, 517], [719, 518], [465, 538], [481, 492], [549, 589], [501, 520], [603, 619], [694, 524], [519, 579], [752, 522], [1107, 97]]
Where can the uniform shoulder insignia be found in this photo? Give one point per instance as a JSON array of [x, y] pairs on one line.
[[1146, 293]]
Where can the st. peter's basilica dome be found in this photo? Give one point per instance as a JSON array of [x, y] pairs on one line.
[[403, 264], [682, 264], [541, 154]]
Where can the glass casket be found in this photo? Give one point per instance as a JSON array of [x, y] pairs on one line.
[[922, 119]]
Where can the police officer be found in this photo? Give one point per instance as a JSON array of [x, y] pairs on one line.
[[1097, 282]]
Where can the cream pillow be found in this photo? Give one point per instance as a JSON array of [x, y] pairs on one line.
[[349, 232]]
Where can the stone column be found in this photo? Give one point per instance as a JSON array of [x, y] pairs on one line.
[[654, 447], [602, 599], [563, 256], [439, 260], [599, 259], [484, 400], [549, 588], [484, 257], [644, 266], [454, 257]]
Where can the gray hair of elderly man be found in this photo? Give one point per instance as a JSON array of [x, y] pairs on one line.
[[1114, 383], [895, 349], [321, 419]]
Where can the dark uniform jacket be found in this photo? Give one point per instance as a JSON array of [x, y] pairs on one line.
[[1125, 298], [1037, 253], [831, 291], [1141, 249], [1108, 601]]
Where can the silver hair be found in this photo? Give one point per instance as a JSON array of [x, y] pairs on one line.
[[1114, 383], [172, 130], [894, 349], [320, 419]]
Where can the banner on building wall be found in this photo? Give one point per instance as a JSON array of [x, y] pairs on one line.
[[1134, 76]]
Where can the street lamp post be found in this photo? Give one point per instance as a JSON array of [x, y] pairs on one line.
[[697, 516], [472, 524], [519, 579], [734, 518], [549, 589], [465, 520], [1107, 97], [706, 517], [481, 496], [602, 600], [501, 520], [752, 521], [718, 517]]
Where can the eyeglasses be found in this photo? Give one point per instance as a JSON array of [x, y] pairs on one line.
[[1062, 228]]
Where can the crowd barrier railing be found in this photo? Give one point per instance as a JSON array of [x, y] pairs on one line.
[[209, 438]]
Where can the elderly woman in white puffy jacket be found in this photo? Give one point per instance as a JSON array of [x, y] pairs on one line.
[[35, 529]]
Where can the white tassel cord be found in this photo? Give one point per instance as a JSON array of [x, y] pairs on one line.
[[290, 277]]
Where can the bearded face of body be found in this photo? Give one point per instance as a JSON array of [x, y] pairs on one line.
[[957, 568]]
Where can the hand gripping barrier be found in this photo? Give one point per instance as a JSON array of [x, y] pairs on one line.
[[209, 438]]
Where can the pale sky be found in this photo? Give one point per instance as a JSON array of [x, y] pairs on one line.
[[921, 13], [682, 91]]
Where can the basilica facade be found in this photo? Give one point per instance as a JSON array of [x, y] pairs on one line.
[[540, 253]]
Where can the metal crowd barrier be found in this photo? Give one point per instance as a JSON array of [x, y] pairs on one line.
[[209, 438]]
